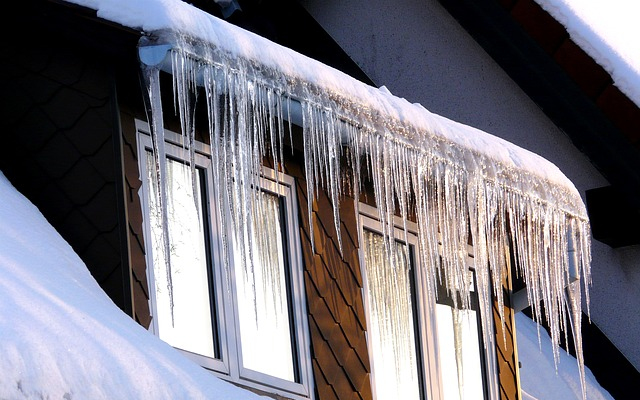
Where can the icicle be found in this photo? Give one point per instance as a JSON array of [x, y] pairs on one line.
[[215, 89], [309, 143], [575, 308], [184, 86], [152, 77], [334, 159]]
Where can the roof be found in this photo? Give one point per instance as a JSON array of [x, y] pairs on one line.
[[608, 33], [574, 91]]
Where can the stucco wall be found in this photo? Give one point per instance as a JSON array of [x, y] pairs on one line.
[[419, 52]]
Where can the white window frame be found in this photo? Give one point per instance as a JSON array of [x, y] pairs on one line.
[[427, 348], [229, 365]]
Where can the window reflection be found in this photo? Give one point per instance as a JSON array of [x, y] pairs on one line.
[[263, 304], [190, 327], [391, 320], [459, 347]]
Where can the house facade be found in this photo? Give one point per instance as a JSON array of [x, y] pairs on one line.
[[82, 144]]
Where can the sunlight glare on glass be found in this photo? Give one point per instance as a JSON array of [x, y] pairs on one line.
[[263, 305], [391, 331], [191, 329], [464, 333]]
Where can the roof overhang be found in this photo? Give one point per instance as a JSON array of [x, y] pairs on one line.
[[573, 91], [372, 109]]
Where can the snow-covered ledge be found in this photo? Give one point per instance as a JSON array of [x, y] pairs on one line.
[[451, 174]]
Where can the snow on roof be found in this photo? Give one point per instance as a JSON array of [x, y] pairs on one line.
[[61, 337], [539, 378], [609, 32]]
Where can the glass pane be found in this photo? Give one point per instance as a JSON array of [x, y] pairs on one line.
[[263, 306], [191, 326], [459, 329], [391, 330]]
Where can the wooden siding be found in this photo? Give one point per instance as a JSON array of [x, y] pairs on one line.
[[334, 296], [506, 351], [135, 238]]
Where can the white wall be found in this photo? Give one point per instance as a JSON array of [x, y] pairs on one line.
[[419, 52]]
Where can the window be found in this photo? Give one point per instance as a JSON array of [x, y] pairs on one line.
[[391, 319], [413, 350], [394, 336], [242, 323], [190, 326], [460, 341]]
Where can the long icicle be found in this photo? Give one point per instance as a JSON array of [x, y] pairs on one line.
[[152, 77]]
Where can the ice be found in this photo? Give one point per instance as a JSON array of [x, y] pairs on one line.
[[465, 185], [152, 77]]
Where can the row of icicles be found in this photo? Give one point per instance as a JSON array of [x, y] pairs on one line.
[[249, 114]]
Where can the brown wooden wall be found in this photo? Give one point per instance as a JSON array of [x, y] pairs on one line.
[[506, 351], [134, 236], [333, 284]]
